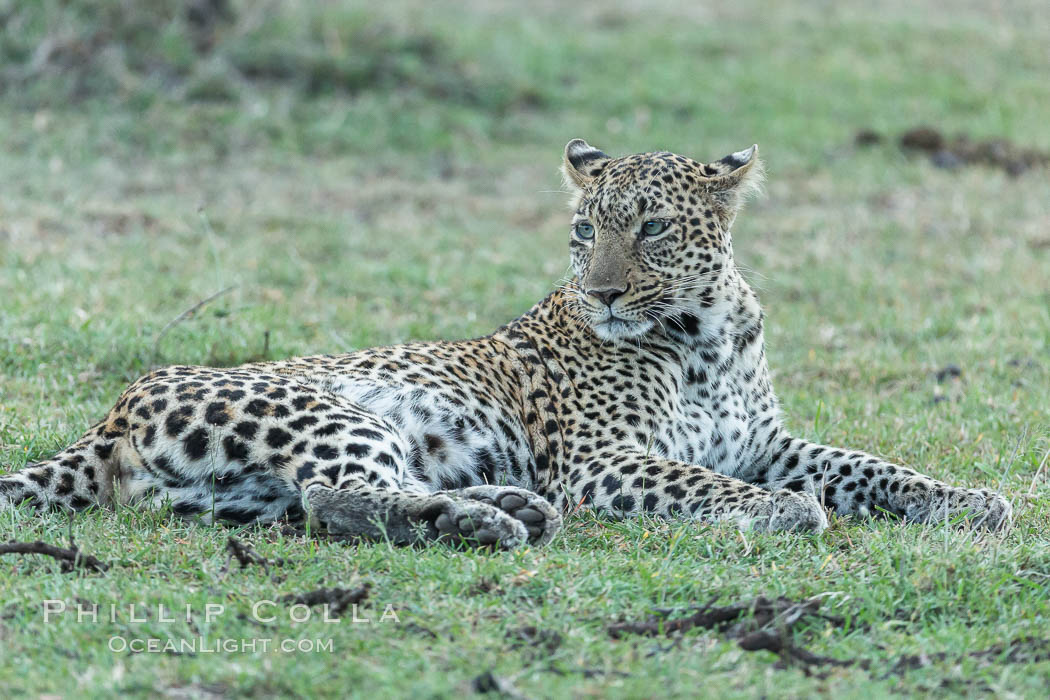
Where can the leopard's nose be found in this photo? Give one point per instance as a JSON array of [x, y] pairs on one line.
[[607, 295]]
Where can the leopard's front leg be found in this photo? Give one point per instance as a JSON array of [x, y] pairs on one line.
[[855, 482], [626, 484]]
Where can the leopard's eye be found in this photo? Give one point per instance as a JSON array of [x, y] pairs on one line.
[[654, 227], [584, 230]]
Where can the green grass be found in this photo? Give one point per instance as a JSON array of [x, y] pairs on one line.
[[400, 183]]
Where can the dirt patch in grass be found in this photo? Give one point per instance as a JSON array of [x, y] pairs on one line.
[[961, 150], [766, 624], [755, 616]]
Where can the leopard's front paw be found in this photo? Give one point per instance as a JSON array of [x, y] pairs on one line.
[[978, 508], [473, 522], [541, 519], [792, 511]]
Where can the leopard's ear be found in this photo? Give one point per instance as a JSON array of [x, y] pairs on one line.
[[581, 164], [732, 180]]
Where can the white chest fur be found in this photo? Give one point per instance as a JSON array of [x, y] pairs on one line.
[[709, 421]]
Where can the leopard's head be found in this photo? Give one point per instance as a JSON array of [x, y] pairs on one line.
[[649, 240]]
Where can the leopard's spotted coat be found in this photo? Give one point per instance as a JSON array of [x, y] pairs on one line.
[[641, 386]]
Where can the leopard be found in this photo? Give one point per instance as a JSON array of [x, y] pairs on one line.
[[638, 388]]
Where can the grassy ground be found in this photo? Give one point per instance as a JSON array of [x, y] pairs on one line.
[[399, 182]]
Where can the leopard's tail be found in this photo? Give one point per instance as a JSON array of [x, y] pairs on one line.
[[77, 477]]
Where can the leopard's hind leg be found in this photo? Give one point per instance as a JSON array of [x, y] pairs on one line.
[[77, 477], [358, 483], [248, 446]]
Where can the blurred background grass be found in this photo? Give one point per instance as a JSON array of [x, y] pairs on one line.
[[329, 77]]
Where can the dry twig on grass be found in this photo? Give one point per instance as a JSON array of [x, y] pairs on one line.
[[186, 314], [338, 599], [71, 558], [245, 556]]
